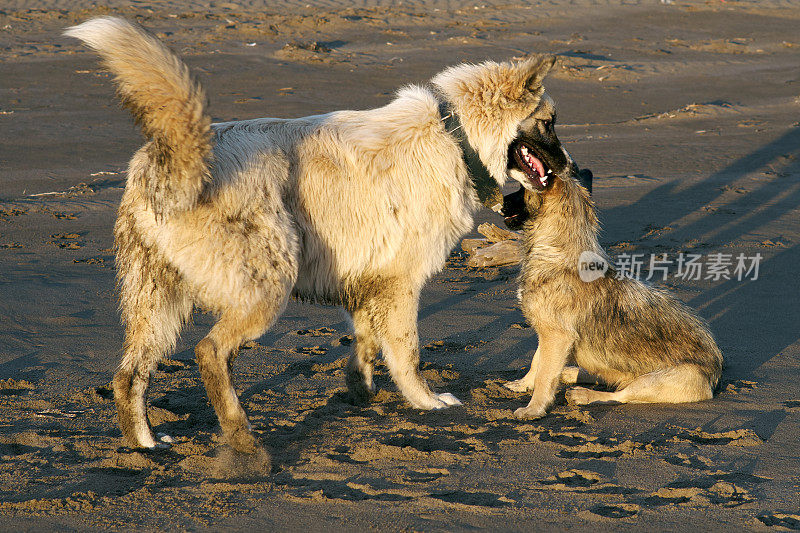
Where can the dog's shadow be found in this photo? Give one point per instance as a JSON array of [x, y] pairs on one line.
[[753, 320]]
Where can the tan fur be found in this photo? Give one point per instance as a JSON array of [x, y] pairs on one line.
[[357, 208], [169, 105], [497, 97], [634, 337]]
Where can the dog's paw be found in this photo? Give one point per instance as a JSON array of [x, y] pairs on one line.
[[435, 402], [359, 391], [519, 385], [448, 399], [164, 440], [243, 441], [530, 413], [577, 396], [232, 463]]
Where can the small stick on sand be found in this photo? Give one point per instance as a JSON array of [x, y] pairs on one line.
[[501, 247]]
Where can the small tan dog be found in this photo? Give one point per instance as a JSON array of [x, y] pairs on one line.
[[635, 338]]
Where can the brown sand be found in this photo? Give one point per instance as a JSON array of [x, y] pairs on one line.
[[687, 112]]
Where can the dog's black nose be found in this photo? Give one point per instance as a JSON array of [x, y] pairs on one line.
[[585, 178]]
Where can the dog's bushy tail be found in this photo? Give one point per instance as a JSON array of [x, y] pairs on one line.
[[165, 100]]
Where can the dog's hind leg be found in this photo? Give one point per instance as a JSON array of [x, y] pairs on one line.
[[572, 375], [215, 354], [362, 361], [678, 384], [154, 308]]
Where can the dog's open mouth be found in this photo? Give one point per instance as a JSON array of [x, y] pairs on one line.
[[537, 172]]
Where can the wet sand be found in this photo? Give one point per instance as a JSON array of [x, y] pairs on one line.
[[688, 113]]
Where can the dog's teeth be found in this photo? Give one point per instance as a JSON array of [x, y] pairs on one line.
[[549, 171]]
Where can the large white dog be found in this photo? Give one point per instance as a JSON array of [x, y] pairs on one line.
[[354, 208]]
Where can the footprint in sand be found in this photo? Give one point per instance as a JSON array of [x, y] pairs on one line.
[[691, 461], [311, 350], [792, 405], [788, 521], [740, 385], [332, 486], [15, 387], [703, 492], [333, 365], [728, 495], [307, 52], [170, 366], [426, 475], [476, 499], [622, 510], [584, 481], [572, 479], [580, 446], [66, 240], [99, 261], [319, 332], [428, 444], [447, 346], [63, 215], [671, 496], [734, 437]]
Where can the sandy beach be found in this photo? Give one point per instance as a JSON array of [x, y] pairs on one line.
[[687, 112]]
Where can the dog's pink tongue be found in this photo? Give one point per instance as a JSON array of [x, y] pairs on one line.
[[539, 166], [534, 163]]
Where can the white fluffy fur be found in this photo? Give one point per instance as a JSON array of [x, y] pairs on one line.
[[357, 208]]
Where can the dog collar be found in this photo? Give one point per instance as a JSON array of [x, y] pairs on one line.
[[451, 122], [454, 128], [486, 188]]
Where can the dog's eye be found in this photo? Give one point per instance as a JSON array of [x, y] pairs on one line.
[[548, 125]]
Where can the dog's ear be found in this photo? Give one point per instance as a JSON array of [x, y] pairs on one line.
[[536, 68]]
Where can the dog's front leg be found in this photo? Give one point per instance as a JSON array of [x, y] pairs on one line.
[[393, 316], [526, 383], [554, 349]]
